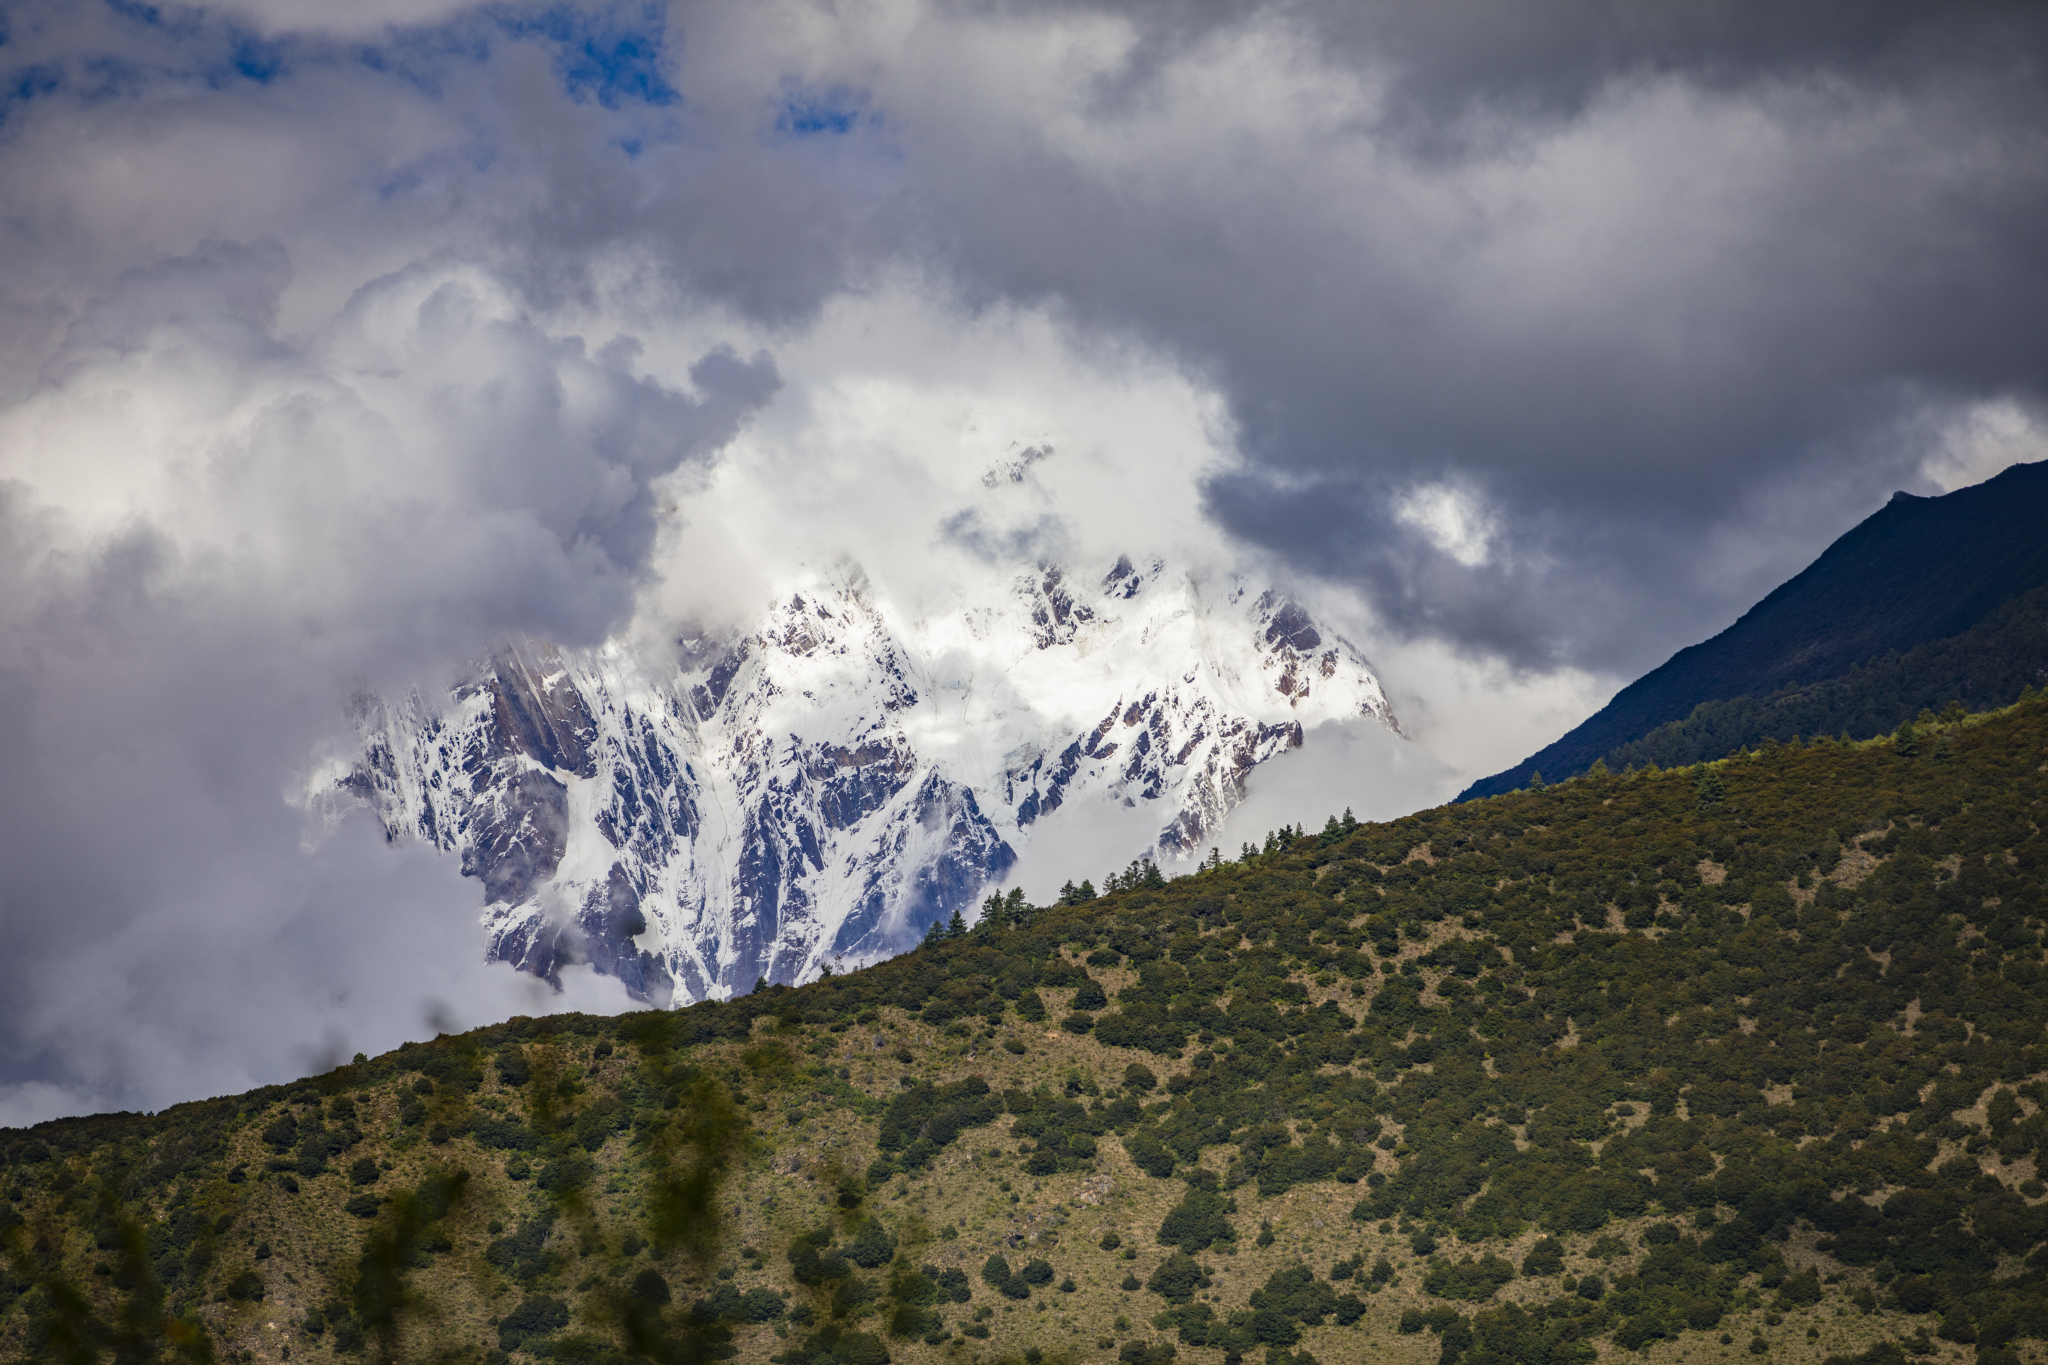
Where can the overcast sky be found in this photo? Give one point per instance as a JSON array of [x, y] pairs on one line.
[[1538, 338]]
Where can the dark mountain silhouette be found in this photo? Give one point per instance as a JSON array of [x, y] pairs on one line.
[[1919, 570]]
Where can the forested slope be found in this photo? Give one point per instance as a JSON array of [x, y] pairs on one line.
[[1746, 1058], [1916, 571], [1984, 668]]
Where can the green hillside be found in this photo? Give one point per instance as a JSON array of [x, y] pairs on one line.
[[1746, 1059]]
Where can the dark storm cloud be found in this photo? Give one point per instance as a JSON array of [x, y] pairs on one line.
[[1547, 58], [1626, 271]]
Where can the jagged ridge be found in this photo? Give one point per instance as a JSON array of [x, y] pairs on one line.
[[824, 786]]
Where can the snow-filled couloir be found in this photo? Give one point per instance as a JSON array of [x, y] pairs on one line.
[[820, 788]]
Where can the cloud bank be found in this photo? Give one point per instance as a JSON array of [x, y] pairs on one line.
[[338, 343]]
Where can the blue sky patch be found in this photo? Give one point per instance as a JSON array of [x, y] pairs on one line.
[[30, 81], [828, 113], [256, 60], [614, 58], [135, 10], [26, 83]]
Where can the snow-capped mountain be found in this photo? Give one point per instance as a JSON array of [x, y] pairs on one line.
[[820, 788]]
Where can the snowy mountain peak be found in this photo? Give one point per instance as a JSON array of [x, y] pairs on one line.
[[823, 785]]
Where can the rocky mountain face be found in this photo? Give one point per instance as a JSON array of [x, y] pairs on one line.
[[820, 788]]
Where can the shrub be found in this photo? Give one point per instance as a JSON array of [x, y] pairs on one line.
[[1290, 1295], [513, 1069], [949, 1286], [1146, 1353], [523, 1255], [1915, 1293], [1177, 1278], [503, 1134], [1469, 1279], [761, 1305], [1545, 1258], [566, 1173], [1149, 1155], [924, 1119], [850, 1348], [872, 1246], [535, 1315], [812, 1268], [1800, 1291], [1198, 1222]]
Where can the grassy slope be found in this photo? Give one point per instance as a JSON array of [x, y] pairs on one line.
[[1687, 1034]]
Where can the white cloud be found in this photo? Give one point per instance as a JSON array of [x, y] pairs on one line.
[[355, 19], [896, 406], [1984, 439], [210, 533], [1452, 519]]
